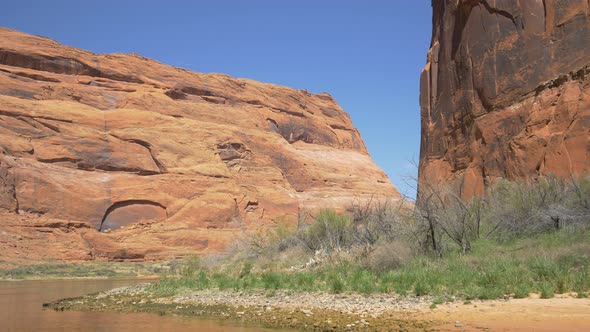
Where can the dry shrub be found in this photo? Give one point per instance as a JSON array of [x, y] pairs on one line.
[[517, 209], [387, 256], [509, 210], [379, 220], [292, 256]]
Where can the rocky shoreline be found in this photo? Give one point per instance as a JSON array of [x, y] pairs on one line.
[[344, 312], [300, 311]]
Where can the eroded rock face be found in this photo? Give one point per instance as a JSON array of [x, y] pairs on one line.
[[505, 92], [171, 161], [128, 212]]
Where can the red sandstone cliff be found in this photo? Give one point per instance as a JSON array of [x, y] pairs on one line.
[[170, 161], [505, 92]]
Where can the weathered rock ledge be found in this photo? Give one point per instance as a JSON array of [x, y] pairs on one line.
[[134, 159]]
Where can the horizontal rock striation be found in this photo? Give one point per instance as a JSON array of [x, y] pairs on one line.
[[505, 92], [161, 160]]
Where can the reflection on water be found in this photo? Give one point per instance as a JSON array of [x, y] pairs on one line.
[[21, 310]]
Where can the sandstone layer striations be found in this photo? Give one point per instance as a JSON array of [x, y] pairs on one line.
[[125, 157], [505, 92]]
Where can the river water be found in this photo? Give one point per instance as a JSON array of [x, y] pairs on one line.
[[21, 310]]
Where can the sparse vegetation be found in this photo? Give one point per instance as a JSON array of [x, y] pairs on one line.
[[508, 243], [546, 264], [517, 240], [60, 270]]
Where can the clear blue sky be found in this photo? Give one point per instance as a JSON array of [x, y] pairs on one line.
[[367, 54]]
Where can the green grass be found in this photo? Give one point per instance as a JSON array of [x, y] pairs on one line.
[[547, 290], [547, 264], [485, 249], [60, 270]]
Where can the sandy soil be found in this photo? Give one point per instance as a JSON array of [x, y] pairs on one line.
[[562, 313]]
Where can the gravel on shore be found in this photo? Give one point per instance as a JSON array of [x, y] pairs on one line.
[[296, 310]]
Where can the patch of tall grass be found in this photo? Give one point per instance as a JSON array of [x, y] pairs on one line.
[[521, 238], [492, 273]]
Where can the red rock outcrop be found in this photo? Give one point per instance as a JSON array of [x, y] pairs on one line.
[[159, 161], [505, 92]]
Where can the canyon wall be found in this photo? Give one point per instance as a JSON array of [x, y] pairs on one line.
[[505, 92], [122, 157]]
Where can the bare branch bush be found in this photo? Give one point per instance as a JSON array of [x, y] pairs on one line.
[[442, 215], [362, 233], [510, 209], [385, 234], [522, 209], [375, 220]]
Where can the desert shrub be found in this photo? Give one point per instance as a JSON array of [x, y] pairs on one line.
[[444, 216], [546, 264], [191, 266], [387, 256], [376, 220], [509, 210], [579, 202], [274, 238], [517, 209], [330, 237], [246, 269], [518, 239], [329, 231]]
